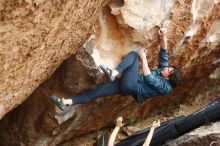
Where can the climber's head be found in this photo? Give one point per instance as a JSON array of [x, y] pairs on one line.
[[172, 74]]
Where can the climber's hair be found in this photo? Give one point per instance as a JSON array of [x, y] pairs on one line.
[[138, 45], [176, 77]]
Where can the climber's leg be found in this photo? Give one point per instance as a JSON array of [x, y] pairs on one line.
[[102, 90], [129, 78]]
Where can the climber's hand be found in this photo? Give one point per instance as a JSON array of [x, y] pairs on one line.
[[142, 53], [163, 39], [162, 33], [156, 124], [119, 122]]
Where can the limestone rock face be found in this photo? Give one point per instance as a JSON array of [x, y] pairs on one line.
[[37, 36], [142, 16]]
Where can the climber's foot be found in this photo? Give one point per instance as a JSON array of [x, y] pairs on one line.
[[58, 102], [108, 72]]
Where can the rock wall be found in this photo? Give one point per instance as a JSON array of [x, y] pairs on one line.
[[44, 33], [36, 37]]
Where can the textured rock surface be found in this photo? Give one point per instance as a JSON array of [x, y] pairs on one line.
[[44, 33], [36, 36]]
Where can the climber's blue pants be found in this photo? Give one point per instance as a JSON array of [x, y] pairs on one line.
[[127, 84]]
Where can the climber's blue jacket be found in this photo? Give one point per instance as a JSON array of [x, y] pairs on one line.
[[154, 84]]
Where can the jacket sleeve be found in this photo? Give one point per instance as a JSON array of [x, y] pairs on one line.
[[163, 58], [157, 83]]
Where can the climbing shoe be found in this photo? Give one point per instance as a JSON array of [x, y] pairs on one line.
[[58, 102], [108, 72]]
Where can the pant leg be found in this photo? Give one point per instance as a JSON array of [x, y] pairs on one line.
[[102, 90], [129, 79], [127, 61]]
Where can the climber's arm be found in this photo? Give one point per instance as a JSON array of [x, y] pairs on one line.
[[163, 38], [150, 134], [163, 55], [145, 67], [119, 124]]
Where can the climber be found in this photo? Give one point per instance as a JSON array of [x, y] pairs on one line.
[[157, 82], [119, 124]]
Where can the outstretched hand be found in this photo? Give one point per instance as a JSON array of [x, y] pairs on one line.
[[156, 124], [119, 122], [162, 33]]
